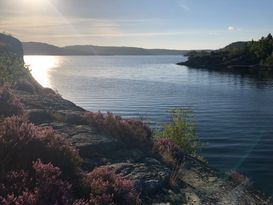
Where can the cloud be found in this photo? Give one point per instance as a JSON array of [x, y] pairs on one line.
[[232, 29]]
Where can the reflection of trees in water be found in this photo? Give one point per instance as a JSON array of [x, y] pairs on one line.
[[259, 79]]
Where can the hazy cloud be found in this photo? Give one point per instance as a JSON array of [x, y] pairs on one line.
[[232, 28]]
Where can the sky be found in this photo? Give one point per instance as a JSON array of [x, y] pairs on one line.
[[174, 24]]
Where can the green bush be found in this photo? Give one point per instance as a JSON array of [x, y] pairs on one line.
[[181, 131], [12, 69]]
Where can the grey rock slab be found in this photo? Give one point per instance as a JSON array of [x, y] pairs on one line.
[[149, 177]]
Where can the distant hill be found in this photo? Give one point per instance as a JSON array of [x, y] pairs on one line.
[[37, 48], [235, 46], [239, 55]]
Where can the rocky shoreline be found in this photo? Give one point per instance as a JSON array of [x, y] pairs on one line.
[[158, 182], [197, 183], [251, 56], [233, 68]]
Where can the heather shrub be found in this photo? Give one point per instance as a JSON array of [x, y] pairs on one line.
[[81, 202], [44, 187], [109, 188], [181, 131], [132, 132], [50, 188], [170, 152], [9, 103], [21, 143], [238, 178], [14, 182]]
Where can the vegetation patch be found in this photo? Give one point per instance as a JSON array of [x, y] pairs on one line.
[[9, 103], [132, 132], [180, 131], [12, 69], [110, 188], [39, 167], [239, 178], [170, 152], [45, 186], [21, 143], [242, 55]]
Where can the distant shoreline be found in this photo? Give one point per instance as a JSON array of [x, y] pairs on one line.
[[37, 48], [104, 55], [230, 67]]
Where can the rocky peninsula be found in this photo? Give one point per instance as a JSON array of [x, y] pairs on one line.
[[248, 56], [90, 146]]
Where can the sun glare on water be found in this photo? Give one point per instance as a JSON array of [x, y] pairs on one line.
[[41, 66]]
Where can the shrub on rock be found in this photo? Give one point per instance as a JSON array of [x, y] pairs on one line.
[[51, 188], [170, 152], [9, 103], [12, 69], [43, 187], [21, 143], [110, 188], [181, 131], [132, 132]]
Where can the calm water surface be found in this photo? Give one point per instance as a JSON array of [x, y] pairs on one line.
[[234, 113]]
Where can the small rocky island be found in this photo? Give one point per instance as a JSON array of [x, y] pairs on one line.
[[238, 56], [54, 152]]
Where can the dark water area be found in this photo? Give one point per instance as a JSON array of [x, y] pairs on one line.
[[234, 112]]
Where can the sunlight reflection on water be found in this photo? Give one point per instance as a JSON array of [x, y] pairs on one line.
[[40, 67]]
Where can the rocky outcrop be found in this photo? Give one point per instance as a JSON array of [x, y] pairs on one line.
[[252, 56]]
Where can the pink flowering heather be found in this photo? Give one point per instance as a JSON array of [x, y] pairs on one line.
[[81, 202], [14, 182], [110, 188], [239, 178], [132, 132], [51, 189], [44, 187], [169, 151], [16, 189], [26, 198], [9, 103], [21, 143]]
